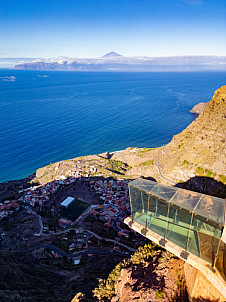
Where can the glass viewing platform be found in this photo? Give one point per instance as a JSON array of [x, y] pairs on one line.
[[193, 221]]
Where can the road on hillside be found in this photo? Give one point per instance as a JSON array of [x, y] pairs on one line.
[[77, 254], [95, 235], [159, 169]]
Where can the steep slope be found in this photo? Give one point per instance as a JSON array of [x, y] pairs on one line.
[[149, 274], [199, 150]]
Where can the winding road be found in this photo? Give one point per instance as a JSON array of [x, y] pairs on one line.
[[95, 235], [77, 254], [159, 169]]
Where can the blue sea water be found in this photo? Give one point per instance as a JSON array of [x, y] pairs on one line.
[[50, 116]]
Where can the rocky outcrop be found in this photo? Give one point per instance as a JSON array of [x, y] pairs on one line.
[[199, 108], [80, 297], [151, 282], [199, 150]]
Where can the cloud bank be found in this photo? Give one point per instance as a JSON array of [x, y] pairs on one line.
[[8, 79]]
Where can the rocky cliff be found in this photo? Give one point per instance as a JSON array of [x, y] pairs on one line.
[[151, 274], [199, 108], [152, 281], [199, 150]]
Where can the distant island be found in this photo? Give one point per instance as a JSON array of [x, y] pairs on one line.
[[113, 61]]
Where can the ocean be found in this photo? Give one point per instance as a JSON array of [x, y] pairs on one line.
[[50, 116]]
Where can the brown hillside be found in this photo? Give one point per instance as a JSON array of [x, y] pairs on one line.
[[199, 150]]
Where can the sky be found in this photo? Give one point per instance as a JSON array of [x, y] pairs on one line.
[[92, 28]]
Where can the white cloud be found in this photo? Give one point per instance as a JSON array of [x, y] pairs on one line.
[[8, 79], [43, 76]]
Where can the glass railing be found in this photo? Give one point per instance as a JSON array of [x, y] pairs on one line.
[[189, 219]]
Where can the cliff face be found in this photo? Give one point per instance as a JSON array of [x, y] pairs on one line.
[[152, 282], [149, 275], [199, 150]]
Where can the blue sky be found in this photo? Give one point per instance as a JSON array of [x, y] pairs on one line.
[[91, 28]]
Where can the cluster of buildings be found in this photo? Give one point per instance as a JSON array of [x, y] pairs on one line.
[[63, 222], [7, 207], [75, 260], [79, 173], [34, 195], [40, 194], [115, 197]]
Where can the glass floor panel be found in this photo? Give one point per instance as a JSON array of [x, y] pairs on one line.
[[157, 225], [154, 224], [177, 235], [141, 218]]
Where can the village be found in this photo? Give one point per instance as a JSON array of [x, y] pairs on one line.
[[98, 229]]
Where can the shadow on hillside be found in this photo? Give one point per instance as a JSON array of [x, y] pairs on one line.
[[205, 185], [146, 277], [181, 294], [148, 178], [106, 155], [115, 171], [9, 189]]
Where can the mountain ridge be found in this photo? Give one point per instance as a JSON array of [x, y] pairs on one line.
[[111, 54], [115, 62]]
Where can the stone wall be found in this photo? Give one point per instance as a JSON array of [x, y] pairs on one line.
[[199, 288]]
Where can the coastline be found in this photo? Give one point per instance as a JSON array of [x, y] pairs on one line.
[[79, 103]]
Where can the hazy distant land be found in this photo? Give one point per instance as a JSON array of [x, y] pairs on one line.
[[116, 62]]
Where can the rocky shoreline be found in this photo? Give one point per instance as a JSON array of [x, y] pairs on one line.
[[197, 109]]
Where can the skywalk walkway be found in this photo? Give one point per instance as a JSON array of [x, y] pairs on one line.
[[188, 224]]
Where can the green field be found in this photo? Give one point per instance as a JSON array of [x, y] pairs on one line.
[[74, 210]]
